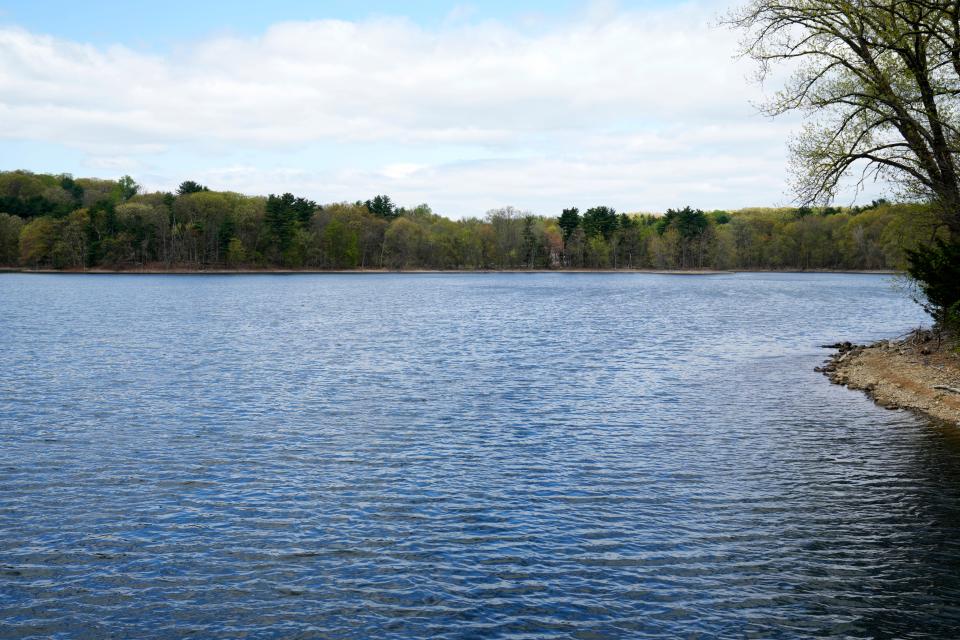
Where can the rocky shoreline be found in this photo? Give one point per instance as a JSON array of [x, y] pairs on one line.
[[920, 371]]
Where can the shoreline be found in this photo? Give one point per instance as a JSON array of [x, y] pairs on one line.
[[222, 272], [917, 372]]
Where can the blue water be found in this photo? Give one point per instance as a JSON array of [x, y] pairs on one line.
[[463, 456]]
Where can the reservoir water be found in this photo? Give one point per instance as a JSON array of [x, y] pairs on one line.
[[463, 456]]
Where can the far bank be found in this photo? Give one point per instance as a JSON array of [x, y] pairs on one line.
[[268, 271]]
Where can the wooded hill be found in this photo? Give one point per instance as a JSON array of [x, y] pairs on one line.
[[57, 221]]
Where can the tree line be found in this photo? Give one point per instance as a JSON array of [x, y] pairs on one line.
[[878, 84], [61, 222]]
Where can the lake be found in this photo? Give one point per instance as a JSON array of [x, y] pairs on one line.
[[464, 456]]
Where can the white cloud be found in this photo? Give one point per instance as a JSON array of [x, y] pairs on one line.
[[544, 185], [640, 107]]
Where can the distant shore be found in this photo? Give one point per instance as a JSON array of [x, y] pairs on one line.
[[218, 271], [918, 372]]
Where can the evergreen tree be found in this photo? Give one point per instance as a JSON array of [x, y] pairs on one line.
[[529, 242], [382, 207], [280, 219], [189, 186], [568, 222], [600, 221]]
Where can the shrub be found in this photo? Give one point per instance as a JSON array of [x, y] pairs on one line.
[[937, 269]]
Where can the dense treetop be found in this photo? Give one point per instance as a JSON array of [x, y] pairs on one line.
[[61, 222]]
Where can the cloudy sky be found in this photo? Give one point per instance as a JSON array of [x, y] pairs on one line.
[[640, 105]]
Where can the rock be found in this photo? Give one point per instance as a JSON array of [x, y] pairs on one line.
[[842, 347], [943, 387]]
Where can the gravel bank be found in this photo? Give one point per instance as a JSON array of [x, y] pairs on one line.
[[918, 372]]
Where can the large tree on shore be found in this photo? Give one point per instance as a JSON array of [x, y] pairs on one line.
[[880, 83], [881, 80]]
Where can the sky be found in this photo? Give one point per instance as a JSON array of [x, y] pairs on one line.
[[640, 105]]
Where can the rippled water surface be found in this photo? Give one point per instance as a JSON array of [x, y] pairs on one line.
[[463, 456]]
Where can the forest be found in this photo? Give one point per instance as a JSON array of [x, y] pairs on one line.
[[61, 222]]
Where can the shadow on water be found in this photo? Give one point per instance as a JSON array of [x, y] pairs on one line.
[[920, 556]]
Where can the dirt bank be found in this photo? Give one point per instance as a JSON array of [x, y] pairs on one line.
[[919, 372]]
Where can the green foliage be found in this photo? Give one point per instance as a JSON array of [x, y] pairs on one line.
[[127, 188], [21, 185], [597, 253], [236, 253], [28, 195], [37, 238], [937, 269], [382, 207], [720, 217], [68, 184], [690, 227], [688, 222], [280, 219], [303, 210], [534, 248], [877, 81], [10, 227], [100, 231], [600, 221], [342, 244], [87, 223], [568, 222], [402, 244], [97, 191], [189, 186]]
